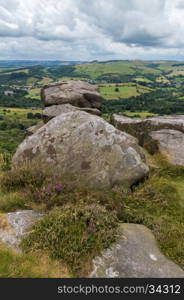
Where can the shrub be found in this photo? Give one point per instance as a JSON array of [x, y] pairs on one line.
[[21, 177], [74, 234]]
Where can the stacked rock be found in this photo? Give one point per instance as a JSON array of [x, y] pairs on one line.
[[67, 96], [79, 145]]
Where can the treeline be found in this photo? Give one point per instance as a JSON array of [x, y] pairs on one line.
[[19, 102], [158, 101]]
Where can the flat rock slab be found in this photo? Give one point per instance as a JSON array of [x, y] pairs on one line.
[[77, 93], [140, 128], [135, 255], [171, 144], [13, 226]]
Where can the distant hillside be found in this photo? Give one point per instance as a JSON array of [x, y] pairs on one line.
[[28, 63], [150, 86]]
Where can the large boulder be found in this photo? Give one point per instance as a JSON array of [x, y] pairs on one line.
[[134, 255], [170, 143], [76, 93], [34, 128], [56, 110], [14, 226], [86, 148], [140, 128]]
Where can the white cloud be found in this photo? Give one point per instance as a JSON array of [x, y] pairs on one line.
[[85, 30]]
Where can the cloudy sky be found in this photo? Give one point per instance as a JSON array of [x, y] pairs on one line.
[[91, 29]]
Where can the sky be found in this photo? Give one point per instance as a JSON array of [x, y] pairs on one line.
[[92, 29]]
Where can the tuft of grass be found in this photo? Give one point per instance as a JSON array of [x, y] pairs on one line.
[[5, 161], [28, 174], [12, 201], [29, 266], [74, 234]]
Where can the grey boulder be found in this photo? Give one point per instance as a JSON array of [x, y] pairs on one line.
[[86, 149], [171, 144], [76, 93], [14, 226], [134, 255]]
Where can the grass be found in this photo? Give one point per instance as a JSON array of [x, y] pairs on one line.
[[26, 71], [31, 81], [158, 203], [13, 124], [34, 93], [142, 114], [109, 92], [94, 70], [37, 265], [45, 80], [74, 234]]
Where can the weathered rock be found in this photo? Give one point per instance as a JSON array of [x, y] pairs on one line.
[[76, 93], [33, 129], [14, 226], [87, 148], [135, 255], [171, 144], [56, 110], [93, 111], [140, 128]]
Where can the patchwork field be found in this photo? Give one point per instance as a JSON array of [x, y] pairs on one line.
[[120, 91]]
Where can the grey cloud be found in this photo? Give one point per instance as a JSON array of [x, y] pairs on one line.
[[80, 29]]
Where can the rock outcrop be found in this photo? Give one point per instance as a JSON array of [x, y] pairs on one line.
[[56, 110], [87, 148], [164, 134], [140, 128], [14, 226], [76, 93], [171, 144], [135, 255]]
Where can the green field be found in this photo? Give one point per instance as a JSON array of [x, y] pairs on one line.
[[120, 91], [13, 123], [34, 93]]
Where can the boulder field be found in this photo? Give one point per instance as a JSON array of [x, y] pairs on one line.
[[78, 144]]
